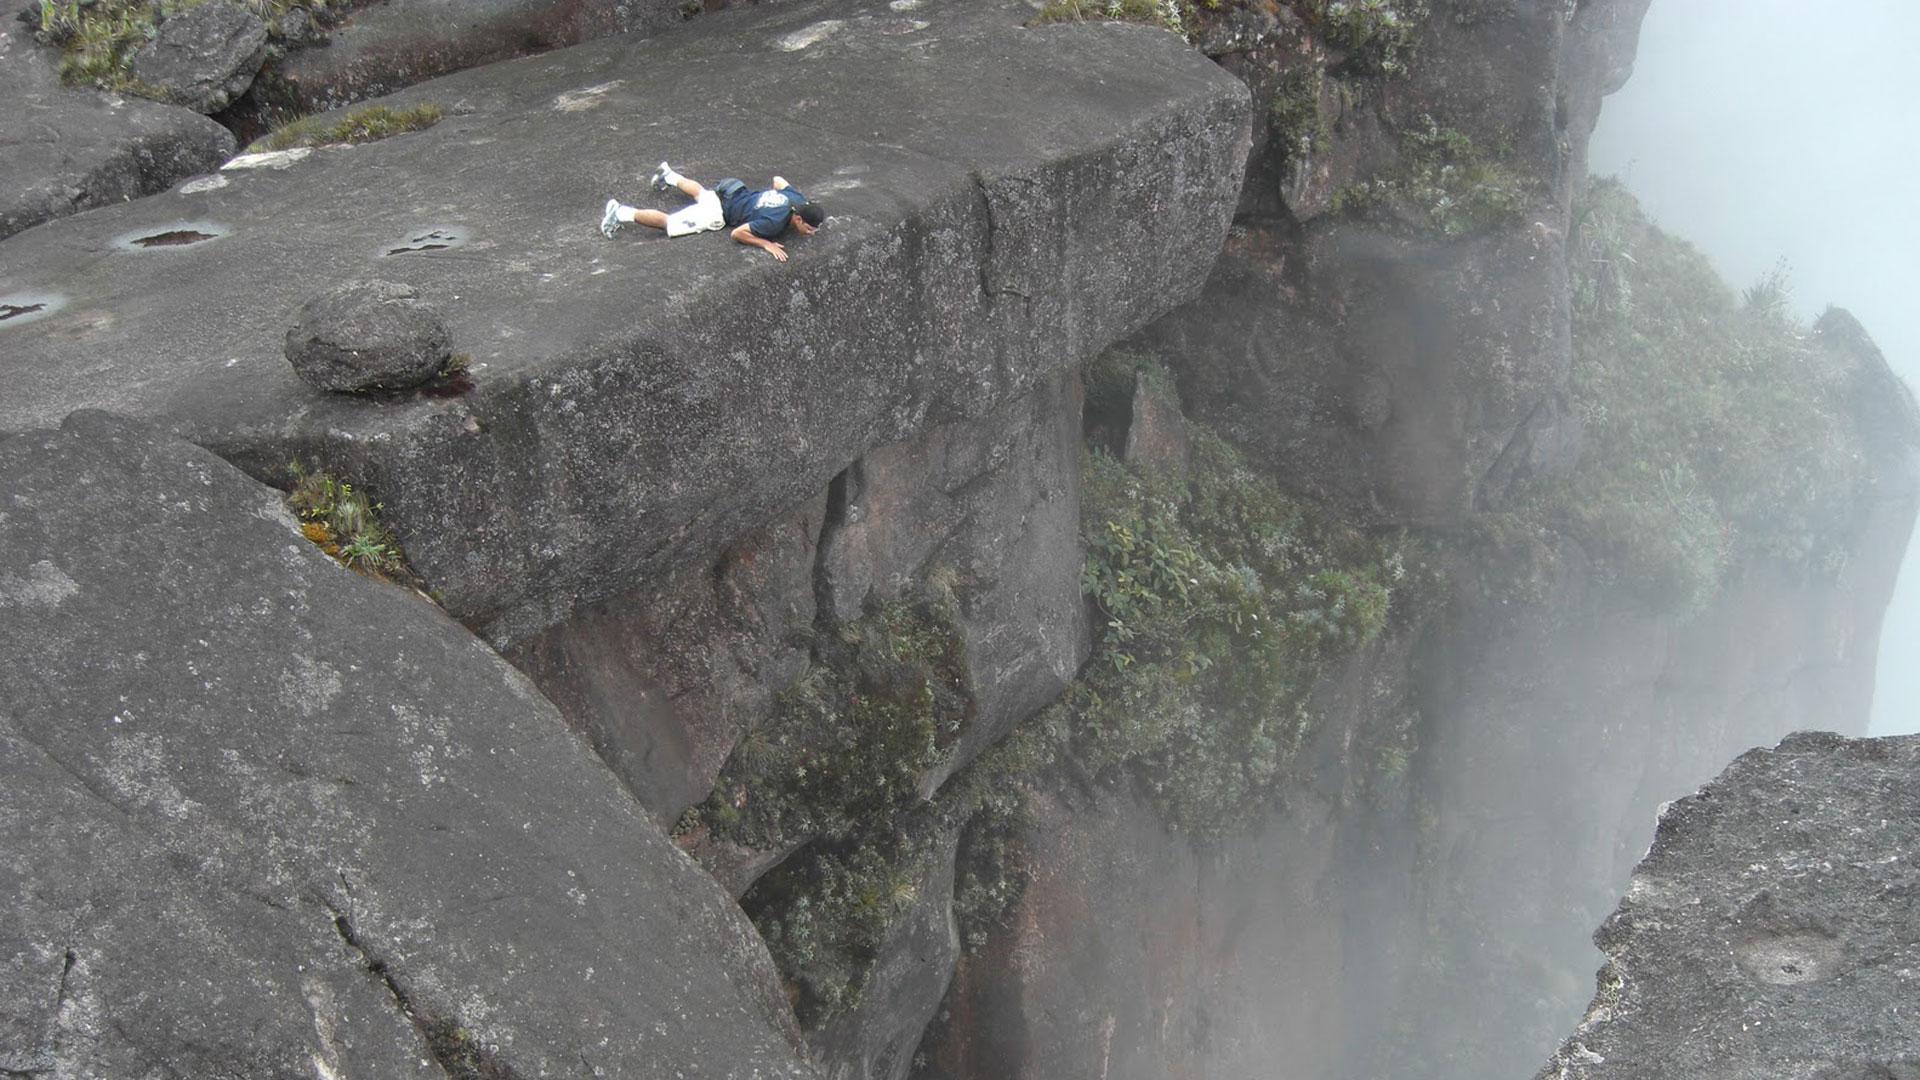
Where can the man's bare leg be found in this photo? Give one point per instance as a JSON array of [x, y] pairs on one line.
[[618, 213]]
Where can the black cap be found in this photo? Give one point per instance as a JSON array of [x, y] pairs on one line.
[[811, 214]]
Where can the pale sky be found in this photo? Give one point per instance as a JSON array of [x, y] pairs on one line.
[[1764, 130]]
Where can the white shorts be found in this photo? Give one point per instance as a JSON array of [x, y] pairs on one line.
[[703, 215]]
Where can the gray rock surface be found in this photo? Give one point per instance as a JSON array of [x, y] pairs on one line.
[[203, 57], [262, 816], [664, 681], [367, 335], [1773, 929], [66, 150], [385, 47], [992, 506], [641, 403]]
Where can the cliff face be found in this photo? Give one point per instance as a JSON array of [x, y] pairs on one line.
[[1770, 929], [1277, 691]]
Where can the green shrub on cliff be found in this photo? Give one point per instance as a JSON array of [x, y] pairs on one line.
[[1717, 430], [1378, 36], [1446, 184], [1381, 34], [1218, 602]]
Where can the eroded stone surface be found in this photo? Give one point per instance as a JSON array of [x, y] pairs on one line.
[[252, 803], [1773, 930]]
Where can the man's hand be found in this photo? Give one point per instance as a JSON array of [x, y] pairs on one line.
[[745, 236]]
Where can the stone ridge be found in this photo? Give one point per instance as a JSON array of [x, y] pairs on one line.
[[641, 401], [261, 816], [1773, 929]]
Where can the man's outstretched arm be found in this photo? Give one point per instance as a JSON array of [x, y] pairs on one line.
[[745, 235]]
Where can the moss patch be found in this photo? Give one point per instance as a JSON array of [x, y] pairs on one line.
[[838, 769]]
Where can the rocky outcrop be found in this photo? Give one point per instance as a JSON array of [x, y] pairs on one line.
[[1770, 930], [260, 815], [1389, 330], [680, 479], [67, 150], [638, 404], [203, 57]]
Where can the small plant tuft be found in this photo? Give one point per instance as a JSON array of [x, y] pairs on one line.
[[340, 520]]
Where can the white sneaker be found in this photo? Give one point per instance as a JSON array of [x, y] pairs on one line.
[[660, 177], [610, 221]]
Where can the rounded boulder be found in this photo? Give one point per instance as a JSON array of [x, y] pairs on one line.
[[367, 335]]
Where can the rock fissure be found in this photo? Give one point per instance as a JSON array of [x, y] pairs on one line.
[[460, 1055]]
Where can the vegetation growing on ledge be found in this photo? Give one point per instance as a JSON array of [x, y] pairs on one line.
[[1716, 429], [1218, 603], [1382, 35], [368, 124], [838, 769], [1447, 185]]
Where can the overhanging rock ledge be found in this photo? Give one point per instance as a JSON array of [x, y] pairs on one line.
[[639, 402]]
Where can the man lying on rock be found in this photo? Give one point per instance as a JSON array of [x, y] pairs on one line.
[[757, 218]]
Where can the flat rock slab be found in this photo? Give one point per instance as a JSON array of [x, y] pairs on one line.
[[392, 45], [262, 816], [64, 150], [1773, 930], [1006, 201]]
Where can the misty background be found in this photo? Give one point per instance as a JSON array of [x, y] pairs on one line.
[[1767, 131]]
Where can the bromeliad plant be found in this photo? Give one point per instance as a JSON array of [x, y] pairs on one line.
[[342, 522]]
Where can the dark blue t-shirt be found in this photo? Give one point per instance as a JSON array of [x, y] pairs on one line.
[[766, 213]]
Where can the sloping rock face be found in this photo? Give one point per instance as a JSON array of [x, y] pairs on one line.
[[385, 47], [641, 402], [1771, 930], [63, 151], [260, 815]]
